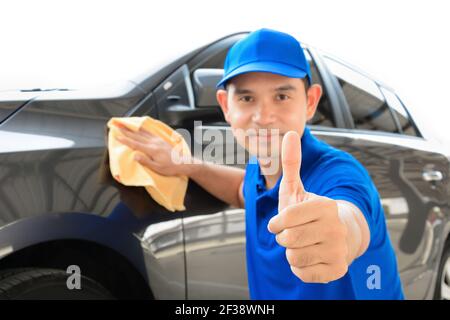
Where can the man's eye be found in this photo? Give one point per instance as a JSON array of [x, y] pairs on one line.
[[246, 99], [282, 97]]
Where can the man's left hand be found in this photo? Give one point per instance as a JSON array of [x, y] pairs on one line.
[[321, 235]]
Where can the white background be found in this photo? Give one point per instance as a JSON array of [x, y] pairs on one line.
[[75, 44]]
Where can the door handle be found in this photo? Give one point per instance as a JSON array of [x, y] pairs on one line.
[[432, 175]]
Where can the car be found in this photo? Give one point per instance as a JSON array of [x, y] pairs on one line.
[[66, 224]]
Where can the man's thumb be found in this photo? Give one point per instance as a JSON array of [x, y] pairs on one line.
[[291, 158]]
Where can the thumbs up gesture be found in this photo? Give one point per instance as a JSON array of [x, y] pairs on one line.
[[308, 225]]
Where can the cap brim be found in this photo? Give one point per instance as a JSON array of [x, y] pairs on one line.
[[265, 66]]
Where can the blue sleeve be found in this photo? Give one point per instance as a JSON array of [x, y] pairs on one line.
[[346, 179]]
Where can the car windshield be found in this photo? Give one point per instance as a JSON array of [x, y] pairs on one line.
[[81, 74]]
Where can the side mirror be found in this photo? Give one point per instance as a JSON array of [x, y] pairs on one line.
[[204, 83], [205, 108]]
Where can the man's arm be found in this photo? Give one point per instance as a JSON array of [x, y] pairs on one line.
[[221, 181], [358, 236]]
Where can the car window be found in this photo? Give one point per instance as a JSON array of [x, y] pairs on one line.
[[323, 116], [403, 118], [364, 98]]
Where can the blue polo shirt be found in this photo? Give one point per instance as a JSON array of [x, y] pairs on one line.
[[333, 173]]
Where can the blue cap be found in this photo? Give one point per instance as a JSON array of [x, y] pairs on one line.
[[266, 50]]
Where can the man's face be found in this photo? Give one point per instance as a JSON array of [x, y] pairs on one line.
[[261, 107]]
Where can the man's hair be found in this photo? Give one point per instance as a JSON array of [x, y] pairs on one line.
[[305, 82]]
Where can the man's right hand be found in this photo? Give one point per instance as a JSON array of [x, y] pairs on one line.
[[155, 153]]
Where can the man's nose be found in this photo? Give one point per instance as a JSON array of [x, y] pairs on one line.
[[263, 115]]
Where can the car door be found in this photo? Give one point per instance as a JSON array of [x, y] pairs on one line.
[[408, 171]]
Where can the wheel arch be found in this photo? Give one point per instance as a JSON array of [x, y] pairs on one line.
[[102, 249]]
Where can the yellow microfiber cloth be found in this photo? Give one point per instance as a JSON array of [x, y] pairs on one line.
[[168, 191]]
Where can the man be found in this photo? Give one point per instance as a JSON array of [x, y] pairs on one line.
[[315, 228]]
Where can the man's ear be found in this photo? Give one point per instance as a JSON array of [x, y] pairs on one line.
[[313, 97], [222, 98]]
